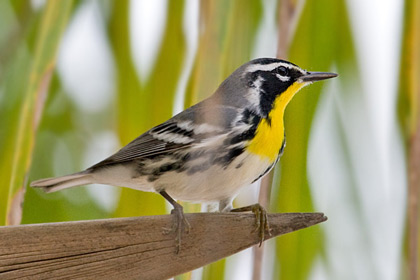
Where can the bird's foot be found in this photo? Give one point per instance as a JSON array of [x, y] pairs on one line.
[[179, 223], [261, 219]]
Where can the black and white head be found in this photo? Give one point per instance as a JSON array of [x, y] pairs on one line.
[[261, 80]]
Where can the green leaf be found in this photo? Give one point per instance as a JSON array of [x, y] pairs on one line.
[[59, 137], [322, 38], [207, 71], [408, 98], [226, 42], [141, 107], [409, 117], [16, 162]]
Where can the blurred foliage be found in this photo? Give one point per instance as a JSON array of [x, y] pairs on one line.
[[135, 115], [228, 32], [17, 62], [59, 135], [61, 131], [24, 126], [226, 25], [29, 39], [297, 252]]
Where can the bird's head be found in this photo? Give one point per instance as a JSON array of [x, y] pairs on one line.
[[262, 81]]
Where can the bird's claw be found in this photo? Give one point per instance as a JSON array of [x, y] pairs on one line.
[[261, 220], [179, 223]]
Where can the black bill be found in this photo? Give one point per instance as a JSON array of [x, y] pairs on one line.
[[317, 76]]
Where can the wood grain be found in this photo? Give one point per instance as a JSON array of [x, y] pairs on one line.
[[131, 248]]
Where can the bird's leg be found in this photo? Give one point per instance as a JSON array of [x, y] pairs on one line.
[[180, 220], [261, 219]]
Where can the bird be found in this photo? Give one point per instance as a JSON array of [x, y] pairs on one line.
[[211, 150]]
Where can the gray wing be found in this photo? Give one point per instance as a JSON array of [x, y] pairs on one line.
[[194, 125]]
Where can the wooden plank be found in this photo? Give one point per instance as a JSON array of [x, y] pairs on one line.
[[132, 248]]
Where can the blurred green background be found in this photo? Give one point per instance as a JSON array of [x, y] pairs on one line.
[[80, 79]]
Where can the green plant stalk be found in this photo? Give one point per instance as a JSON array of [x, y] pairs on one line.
[[144, 105], [207, 74], [53, 24], [58, 129], [322, 38], [287, 16], [228, 30], [409, 115], [132, 109]]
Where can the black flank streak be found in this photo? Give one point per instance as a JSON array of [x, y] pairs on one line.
[[152, 178], [232, 154], [283, 145], [198, 168], [192, 155], [157, 157], [175, 166], [141, 170], [227, 158], [265, 172], [246, 135]]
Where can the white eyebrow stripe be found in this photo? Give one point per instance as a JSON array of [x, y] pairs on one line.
[[271, 67]]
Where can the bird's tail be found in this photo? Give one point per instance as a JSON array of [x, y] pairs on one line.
[[63, 182]]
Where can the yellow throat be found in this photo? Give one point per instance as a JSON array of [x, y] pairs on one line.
[[269, 136]]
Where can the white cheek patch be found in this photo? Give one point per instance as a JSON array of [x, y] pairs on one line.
[[258, 83], [253, 94], [282, 78]]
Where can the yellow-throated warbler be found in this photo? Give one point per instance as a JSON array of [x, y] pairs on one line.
[[208, 152]]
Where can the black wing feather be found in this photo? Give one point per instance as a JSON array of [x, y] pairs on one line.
[[148, 146]]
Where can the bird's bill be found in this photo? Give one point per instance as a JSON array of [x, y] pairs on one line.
[[316, 76]]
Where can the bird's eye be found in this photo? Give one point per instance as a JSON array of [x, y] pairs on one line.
[[283, 71]]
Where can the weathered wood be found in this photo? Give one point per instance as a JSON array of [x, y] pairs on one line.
[[131, 248]]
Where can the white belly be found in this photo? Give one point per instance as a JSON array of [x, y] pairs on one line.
[[214, 183]]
